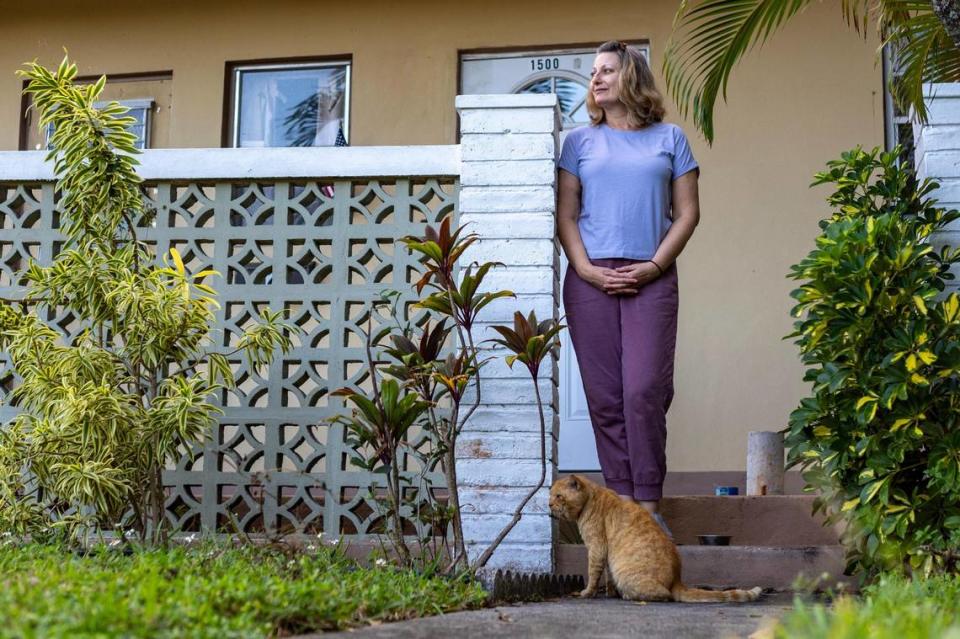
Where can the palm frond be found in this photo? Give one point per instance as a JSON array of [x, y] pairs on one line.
[[708, 40], [925, 52]]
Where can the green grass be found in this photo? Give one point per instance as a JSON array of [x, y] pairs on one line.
[[208, 591], [893, 608]]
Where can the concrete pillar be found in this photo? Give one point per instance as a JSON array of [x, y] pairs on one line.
[[508, 197], [764, 463], [938, 155]]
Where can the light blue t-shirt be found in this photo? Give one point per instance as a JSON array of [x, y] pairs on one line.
[[625, 179]]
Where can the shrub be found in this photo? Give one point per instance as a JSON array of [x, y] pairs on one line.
[[104, 411], [440, 392], [879, 436]]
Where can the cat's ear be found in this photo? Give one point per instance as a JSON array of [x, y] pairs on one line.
[[573, 482]]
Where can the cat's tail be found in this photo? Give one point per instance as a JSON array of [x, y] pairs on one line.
[[697, 595]]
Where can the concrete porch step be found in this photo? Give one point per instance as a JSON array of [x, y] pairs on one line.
[[773, 520], [735, 566]]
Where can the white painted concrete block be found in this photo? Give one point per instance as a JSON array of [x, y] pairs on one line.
[[516, 120], [508, 172], [505, 392], [941, 164], [494, 472], [509, 446], [506, 101], [943, 109], [949, 191], [531, 528], [503, 309], [535, 558], [938, 138], [522, 252], [508, 419], [507, 199], [536, 225], [487, 501], [517, 146], [498, 369], [522, 280]]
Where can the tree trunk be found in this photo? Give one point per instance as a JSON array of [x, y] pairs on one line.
[[949, 13]]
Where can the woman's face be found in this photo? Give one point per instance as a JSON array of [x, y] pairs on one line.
[[605, 79]]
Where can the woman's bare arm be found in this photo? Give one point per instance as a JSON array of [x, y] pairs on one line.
[[686, 216]]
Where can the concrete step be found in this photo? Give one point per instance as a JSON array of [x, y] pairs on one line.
[[735, 566], [771, 520]]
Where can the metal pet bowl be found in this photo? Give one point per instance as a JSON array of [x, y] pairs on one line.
[[714, 540]]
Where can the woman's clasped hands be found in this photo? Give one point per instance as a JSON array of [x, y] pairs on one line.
[[625, 280]]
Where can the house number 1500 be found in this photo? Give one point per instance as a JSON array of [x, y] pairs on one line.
[[544, 64]]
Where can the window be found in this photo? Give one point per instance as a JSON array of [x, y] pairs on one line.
[[306, 104], [139, 110], [565, 72], [899, 127], [149, 96]]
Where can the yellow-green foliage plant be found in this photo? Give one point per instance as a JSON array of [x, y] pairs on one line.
[[879, 437], [103, 412]]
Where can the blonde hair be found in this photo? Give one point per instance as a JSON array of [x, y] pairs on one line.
[[637, 89]]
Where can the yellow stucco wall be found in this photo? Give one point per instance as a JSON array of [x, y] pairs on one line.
[[810, 93]]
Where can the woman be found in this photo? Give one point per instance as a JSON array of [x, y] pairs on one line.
[[627, 205]]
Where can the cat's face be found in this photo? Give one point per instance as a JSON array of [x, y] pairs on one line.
[[567, 497]]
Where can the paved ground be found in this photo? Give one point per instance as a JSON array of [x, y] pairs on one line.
[[595, 618]]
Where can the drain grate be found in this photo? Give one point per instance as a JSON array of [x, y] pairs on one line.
[[506, 586]]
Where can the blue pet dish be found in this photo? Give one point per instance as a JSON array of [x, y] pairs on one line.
[[726, 491]]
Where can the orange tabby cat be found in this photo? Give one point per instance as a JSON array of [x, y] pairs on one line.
[[621, 535]]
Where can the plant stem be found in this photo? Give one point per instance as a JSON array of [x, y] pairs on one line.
[[393, 488]]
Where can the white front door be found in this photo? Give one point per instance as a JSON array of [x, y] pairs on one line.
[[565, 72], [577, 449]]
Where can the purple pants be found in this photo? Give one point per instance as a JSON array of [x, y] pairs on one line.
[[625, 347]]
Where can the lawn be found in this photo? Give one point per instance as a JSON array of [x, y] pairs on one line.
[[893, 608], [208, 591]]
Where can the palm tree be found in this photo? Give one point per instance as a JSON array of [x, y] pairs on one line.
[[710, 37]]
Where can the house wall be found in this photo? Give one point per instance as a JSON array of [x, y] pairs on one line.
[[810, 93], [938, 154]]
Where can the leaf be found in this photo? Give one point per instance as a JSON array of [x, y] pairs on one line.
[[950, 308], [900, 423], [178, 261], [911, 362], [920, 304], [870, 490], [850, 504]]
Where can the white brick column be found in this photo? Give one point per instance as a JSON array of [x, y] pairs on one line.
[[508, 197], [938, 154]]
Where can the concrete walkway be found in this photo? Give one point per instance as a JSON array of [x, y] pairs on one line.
[[595, 618]]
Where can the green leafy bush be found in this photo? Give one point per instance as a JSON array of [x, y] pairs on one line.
[[892, 608], [879, 436], [208, 591], [103, 412]]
